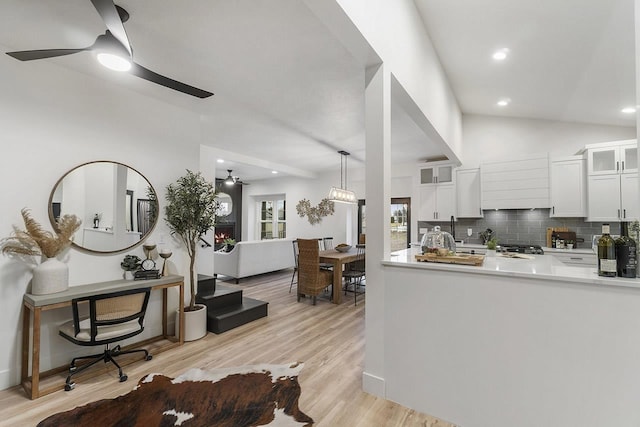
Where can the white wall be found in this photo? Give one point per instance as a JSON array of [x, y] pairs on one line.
[[294, 190], [396, 32], [53, 120], [496, 138]]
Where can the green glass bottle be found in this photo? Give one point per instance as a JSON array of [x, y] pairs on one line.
[[607, 266], [625, 253]]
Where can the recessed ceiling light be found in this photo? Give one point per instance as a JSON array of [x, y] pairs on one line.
[[274, 172], [500, 54], [220, 160], [628, 110], [503, 102]]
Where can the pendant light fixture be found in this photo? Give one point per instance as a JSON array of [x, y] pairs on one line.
[[342, 195]]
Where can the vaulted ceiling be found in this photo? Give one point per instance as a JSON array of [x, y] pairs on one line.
[[288, 93]]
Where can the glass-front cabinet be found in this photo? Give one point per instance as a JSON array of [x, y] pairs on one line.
[[436, 174], [611, 158]]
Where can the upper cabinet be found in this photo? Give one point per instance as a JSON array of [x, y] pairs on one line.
[[613, 181], [468, 193], [520, 183], [613, 157], [568, 187], [436, 192], [436, 174]]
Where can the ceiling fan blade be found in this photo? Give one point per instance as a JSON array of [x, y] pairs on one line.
[[151, 76], [29, 55], [111, 17]]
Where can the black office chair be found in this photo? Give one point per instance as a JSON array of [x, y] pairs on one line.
[[112, 317]]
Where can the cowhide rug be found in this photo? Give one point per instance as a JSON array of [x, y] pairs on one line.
[[259, 395]]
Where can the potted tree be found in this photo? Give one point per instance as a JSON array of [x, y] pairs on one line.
[[189, 214]]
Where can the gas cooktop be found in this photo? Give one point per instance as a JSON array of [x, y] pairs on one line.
[[522, 248]]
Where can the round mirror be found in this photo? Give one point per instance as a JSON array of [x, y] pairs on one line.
[[116, 203], [225, 206]]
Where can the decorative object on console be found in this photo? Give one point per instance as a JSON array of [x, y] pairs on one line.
[[165, 254], [130, 264], [343, 247], [190, 213], [52, 275], [315, 214], [247, 395]]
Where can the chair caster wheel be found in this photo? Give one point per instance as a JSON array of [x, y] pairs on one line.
[[148, 357], [123, 378], [69, 386]]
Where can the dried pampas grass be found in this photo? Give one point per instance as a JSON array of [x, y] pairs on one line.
[[37, 241]]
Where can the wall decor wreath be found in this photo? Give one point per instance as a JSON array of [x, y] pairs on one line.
[[315, 214]]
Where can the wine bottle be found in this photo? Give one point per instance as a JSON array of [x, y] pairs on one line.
[[606, 254], [625, 253]]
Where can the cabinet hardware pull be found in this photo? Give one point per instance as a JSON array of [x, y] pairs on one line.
[[624, 213], [618, 213], [553, 209], [623, 165], [617, 166], [577, 259]]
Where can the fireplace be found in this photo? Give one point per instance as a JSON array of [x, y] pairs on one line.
[[222, 232]]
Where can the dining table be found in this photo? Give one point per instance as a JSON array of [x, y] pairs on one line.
[[338, 260]]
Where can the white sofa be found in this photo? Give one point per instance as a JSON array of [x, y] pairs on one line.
[[254, 257]]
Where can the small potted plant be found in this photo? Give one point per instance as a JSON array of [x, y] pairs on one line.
[[491, 246], [130, 264], [229, 244]]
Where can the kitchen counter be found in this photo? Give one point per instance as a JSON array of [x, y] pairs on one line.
[[514, 342], [543, 267]]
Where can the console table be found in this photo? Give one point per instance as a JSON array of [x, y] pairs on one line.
[[34, 305]]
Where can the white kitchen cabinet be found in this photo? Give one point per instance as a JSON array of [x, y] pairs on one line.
[[468, 193], [568, 187], [613, 197], [438, 173], [613, 181], [612, 157], [437, 202]]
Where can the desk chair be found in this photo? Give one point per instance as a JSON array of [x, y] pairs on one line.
[[112, 317]]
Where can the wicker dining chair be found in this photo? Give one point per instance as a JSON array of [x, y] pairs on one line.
[[312, 280], [354, 274]]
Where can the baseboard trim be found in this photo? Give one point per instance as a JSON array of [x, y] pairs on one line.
[[373, 384]]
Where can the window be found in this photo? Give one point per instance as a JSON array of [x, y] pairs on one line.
[[272, 218]]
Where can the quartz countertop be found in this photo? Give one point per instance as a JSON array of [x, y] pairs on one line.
[[535, 267]]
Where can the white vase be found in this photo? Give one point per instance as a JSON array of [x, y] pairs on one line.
[[128, 275], [195, 323], [490, 253], [51, 276]]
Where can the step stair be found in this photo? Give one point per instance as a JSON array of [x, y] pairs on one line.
[[227, 308]]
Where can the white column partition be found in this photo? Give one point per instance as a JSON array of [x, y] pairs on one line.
[[378, 195]]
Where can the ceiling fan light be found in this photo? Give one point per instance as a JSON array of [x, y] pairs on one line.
[[114, 62]]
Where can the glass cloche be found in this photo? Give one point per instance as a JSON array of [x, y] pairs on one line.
[[437, 239]]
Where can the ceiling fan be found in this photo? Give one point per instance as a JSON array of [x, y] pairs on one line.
[[231, 180], [113, 50]]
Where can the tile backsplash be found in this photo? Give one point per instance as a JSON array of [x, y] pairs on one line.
[[520, 226]]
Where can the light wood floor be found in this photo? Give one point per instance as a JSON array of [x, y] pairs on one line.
[[329, 339]]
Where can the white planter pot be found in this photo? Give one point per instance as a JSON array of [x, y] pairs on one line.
[[195, 323], [51, 276], [128, 275], [490, 253]]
